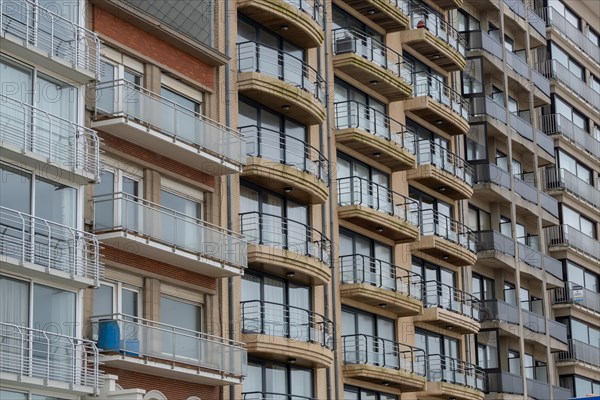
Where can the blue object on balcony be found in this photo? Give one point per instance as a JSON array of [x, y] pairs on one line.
[[108, 335], [130, 347]]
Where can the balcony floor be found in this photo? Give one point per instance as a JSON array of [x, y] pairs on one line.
[[430, 110], [444, 318], [446, 390], [441, 181], [427, 44], [399, 379], [387, 15], [396, 302], [282, 349], [394, 228], [445, 250]]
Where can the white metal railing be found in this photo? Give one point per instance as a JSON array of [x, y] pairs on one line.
[[558, 124], [58, 140], [428, 85], [121, 211], [58, 247], [33, 353], [422, 17], [563, 179], [50, 32], [553, 69], [177, 123], [429, 152], [566, 235], [138, 337]]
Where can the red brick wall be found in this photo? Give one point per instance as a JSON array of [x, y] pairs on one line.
[[172, 389], [153, 47]]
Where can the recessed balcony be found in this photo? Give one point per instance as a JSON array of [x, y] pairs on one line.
[[486, 110], [150, 347], [375, 135], [380, 284], [379, 361], [285, 165], [481, 43], [495, 250], [44, 360], [282, 246], [434, 38], [541, 390], [42, 37], [48, 250], [451, 378], [378, 209], [136, 115], [282, 332], [151, 230], [281, 81], [43, 141], [504, 382], [391, 15], [439, 104], [447, 239], [372, 63], [443, 171], [299, 21]]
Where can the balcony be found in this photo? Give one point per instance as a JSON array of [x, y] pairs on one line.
[[383, 362], [280, 246], [282, 162], [443, 171], [559, 180], [534, 258], [48, 250], [537, 23], [440, 105], [579, 353], [303, 19], [153, 348], [564, 296], [159, 233], [539, 390], [391, 15], [492, 183], [146, 119], [484, 109], [372, 63], [500, 314], [565, 237], [446, 239], [519, 66], [44, 360], [435, 39], [482, 43], [558, 125], [378, 283], [517, 7], [280, 332], [521, 126], [449, 378], [41, 37], [281, 81], [374, 135], [495, 250], [504, 382], [449, 308], [546, 144], [377, 208], [40, 140], [555, 71]]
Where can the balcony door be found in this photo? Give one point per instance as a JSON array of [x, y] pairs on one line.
[[116, 203], [368, 339], [362, 184], [364, 260], [181, 220], [180, 334], [181, 115]]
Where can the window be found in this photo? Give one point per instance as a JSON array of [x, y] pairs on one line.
[[442, 352], [582, 332], [439, 284], [356, 322], [479, 220], [466, 22], [510, 294], [572, 165], [342, 20], [569, 15], [595, 83], [117, 298], [267, 379], [582, 276], [476, 143], [487, 349], [354, 108], [593, 36], [514, 362], [483, 287], [356, 393], [509, 44], [506, 226], [436, 215], [115, 188], [565, 109], [576, 220], [494, 32], [558, 54], [365, 260], [580, 386]]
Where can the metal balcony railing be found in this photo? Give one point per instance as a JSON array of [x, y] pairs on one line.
[[283, 320], [557, 124], [428, 85], [441, 368], [429, 152], [314, 8], [403, 5], [553, 69], [33, 353], [178, 124], [495, 241], [372, 350], [257, 57], [352, 114], [492, 173], [498, 310], [557, 330], [30, 239], [284, 233], [56, 139], [422, 17], [518, 6], [521, 126], [564, 295], [273, 396], [485, 106], [449, 298], [544, 142], [138, 337], [563, 179], [580, 352], [518, 64], [60, 37], [526, 190], [536, 22], [359, 191], [435, 223], [533, 321], [278, 146], [566, 235], [504, 382], [124, 212], [480, 40], [349, 40], [358, 268]]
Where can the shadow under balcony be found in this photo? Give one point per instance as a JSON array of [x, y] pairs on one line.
[[391, 15], [450, 378], [377, 283], [383, 362], [153, 348], [495, 250], [282, 246], [281, 332], [150, 230]]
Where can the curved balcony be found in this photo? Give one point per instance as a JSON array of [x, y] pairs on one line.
[[374, 135], [383, 362], [380, 284], [148, 120], [377, 208], [153, 348], [48, 250], [286, 165], [40, 140], [281, 81], [443, 171], [299, 21], [449, 308], [391, 15], [449, 377], [280, 246], [48, 361], [281, 332], [440, 105], [43, 37], [372, 63], [156, 232], [434, 38], [446, 239]]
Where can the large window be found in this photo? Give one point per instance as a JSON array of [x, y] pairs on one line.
[[365, 260], [563, 10], [582, 332], [479, 220], [567, 162], [483, 287], [354, 108], [270, 380], [583, 224], [570, 113], [558, 54], [487, 349], [439, 283], [582, 276], [443, 351], [580, 386], [368, 338], [356, 393]]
